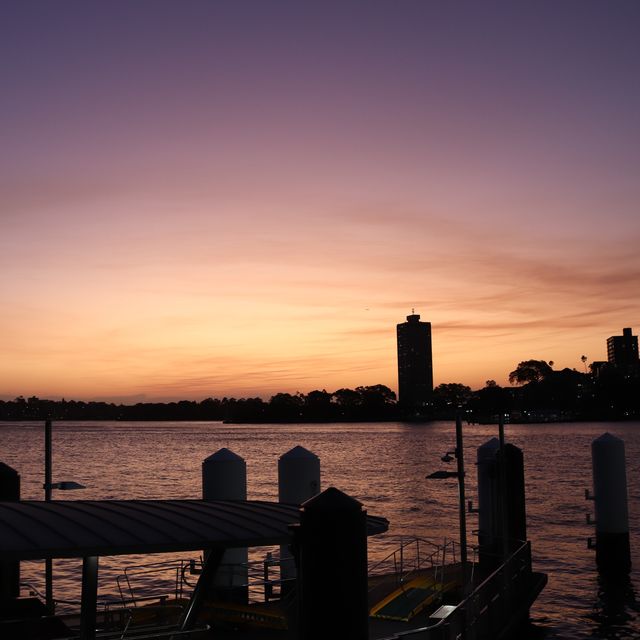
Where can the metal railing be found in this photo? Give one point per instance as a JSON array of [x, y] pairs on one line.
[[172, 580], [488, 608], [413, 554], [104, 605], [146, 633], [169, 579]]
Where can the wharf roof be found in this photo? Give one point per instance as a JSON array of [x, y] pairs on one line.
[[33, 530]]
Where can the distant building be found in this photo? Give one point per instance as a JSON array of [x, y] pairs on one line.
[[622, 351], [415, 365], [597, 367]]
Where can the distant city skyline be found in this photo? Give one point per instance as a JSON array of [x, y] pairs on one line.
[[237, 199]]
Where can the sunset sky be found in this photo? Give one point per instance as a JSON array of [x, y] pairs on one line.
[[204, 198]]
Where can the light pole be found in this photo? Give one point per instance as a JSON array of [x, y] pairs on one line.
[[462, 505], [459, 474], [48, 486]]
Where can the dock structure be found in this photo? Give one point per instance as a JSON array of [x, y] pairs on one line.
[[493, 607], [335, 591], [89, 529]]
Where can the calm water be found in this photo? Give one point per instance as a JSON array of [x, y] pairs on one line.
[[382, 465]]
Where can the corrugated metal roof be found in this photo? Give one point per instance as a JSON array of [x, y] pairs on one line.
[[31, 530]]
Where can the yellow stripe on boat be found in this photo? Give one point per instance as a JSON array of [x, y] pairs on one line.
[[408, 600]]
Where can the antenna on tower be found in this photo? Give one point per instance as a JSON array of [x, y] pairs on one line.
[[413, 311]]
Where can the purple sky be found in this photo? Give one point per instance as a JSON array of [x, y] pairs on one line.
[[238, 198]]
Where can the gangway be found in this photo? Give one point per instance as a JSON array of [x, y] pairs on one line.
[[420, 580], [412, 597]]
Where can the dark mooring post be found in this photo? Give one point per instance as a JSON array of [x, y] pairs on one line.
[[298, 480], [9, 570], [511, 465], [330, 546], [613, 553], [224, 477], [489, 521]]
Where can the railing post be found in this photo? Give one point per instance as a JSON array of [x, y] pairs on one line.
[[48, 474], [268, 587]]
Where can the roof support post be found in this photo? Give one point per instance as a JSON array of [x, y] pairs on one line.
[[48, 563], [210, 567], [89, 599]]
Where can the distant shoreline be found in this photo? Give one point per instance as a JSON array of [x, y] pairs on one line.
[[562, 396], [471, 423]]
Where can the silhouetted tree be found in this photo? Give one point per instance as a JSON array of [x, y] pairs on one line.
[[381, 393], [247, 410], [530, 371], [487, 403], [285, 407], [210, 409], [318, 406], [376, 402], [584, 362], [347, 400], [560, 391], [451, 395]]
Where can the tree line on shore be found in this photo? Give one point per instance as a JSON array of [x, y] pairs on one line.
[[540, 394], [369, 403]]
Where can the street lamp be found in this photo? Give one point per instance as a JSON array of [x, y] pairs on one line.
[[459, 474], [67, 485], [48, 486]]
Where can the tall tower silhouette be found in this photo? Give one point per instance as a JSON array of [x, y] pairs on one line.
[[415, 364]]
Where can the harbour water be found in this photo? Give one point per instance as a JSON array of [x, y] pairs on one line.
[[383, 465]]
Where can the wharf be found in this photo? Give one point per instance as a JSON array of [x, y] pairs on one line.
[[88, 529], [489, 607], [496, 606], [494, 609]]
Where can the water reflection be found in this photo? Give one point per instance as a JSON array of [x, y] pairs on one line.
[[381, 464], [615, 608]]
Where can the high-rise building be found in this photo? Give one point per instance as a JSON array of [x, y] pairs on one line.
[[415, 365], [622, 351]]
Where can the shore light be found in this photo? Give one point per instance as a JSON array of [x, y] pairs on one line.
[[459, 474], [48, 486]]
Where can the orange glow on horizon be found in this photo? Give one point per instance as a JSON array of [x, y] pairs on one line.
[[218, 206]]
